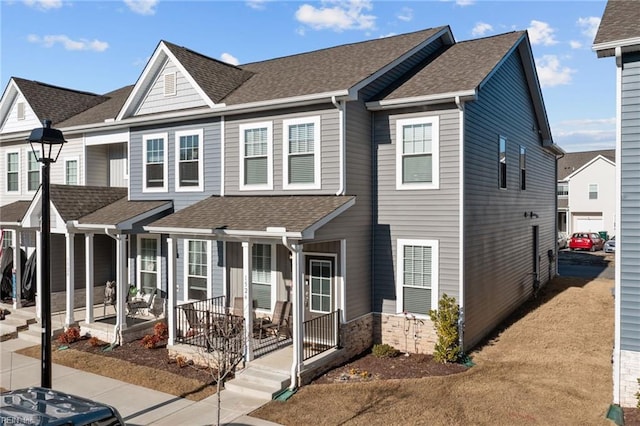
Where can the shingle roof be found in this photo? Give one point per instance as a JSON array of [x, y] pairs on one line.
[[572, 161], [326, 70], [13, 212], [74, 201], [122, 210], [216, 78], [620, 21], [460, 67], [108, 109], [56, 103], [295, 213]]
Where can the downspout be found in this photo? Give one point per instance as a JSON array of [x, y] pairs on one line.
[[341, 125], [296, 288], [461, 263]]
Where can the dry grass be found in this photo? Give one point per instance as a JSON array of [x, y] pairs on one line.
[[551, 364], [118, 369]]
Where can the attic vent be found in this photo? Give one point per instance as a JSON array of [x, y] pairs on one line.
[[20, 110], [170, 84]]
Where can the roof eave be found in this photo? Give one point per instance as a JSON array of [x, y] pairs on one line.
[[608, 48], [125, 225], [465, 96]]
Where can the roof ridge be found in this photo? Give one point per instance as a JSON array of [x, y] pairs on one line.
[[202, 55], [53, 86], [492, 36]]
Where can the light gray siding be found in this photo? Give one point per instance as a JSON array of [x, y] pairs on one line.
[[426, 214], [97, 161], [498, 250], [211, 162], [118, 167], [185, 97], [629, 245]]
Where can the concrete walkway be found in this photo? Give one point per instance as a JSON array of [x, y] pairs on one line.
[[137, 405]]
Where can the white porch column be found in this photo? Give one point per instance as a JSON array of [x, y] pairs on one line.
[[122, 286], [297, 297], [39, 276], [88, 275], [247, 299], [172, 289], [17, 269], [69, 278]]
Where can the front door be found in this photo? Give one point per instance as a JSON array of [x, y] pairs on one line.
[[319, 300]]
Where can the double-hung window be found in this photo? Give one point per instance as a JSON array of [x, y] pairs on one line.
[[189, 161], [593, 191], [261, 276], [417, 153], [301, 148], [197, 268], [502, 162], [417, 281], [13, 171], [154, 172], [563, 189], [256, 163], [71, 171], [7, 238], [33, 171], [149, 262], [523, 168]]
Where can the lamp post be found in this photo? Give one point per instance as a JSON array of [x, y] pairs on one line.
[[48, 140]]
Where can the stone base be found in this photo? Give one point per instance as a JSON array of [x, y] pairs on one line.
[[106, 332], [629, 375], [405, 333]]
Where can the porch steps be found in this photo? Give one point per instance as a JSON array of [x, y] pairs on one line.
[[33, 333], [14, 322], [258, 382]]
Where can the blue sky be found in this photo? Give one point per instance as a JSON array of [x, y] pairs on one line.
[[99, 46]]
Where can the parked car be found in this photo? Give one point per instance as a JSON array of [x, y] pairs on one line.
[[610, 245], [42, 406], [562, 240], [586, 241]]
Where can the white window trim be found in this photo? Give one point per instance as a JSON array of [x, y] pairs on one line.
[[589, 191], [139, 259], [68, 160], [331, 288], [185, 267], [506, 162], [29, 151], [12, 236], [269, 184], [6, 172], [274, 276], [522, 151], [165, 176], [200, 186], [435, 268], [435, 153], [317, 184]]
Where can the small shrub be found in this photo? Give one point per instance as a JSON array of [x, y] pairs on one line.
[[161, 330], [445, 321], [150, 341], [383, 350], [94, 341], [638, 395], [70, 335]]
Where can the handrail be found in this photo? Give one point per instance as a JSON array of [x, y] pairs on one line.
[[321, 334]]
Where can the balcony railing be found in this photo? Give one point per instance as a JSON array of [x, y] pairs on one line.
[[321, 334]]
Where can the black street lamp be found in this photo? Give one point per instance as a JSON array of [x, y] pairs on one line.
[[49, 140]]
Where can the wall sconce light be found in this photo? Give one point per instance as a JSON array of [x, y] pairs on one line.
[[531, 215]]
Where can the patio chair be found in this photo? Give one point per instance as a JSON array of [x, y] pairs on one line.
[[278, 324], [238, 311], [197, 324]]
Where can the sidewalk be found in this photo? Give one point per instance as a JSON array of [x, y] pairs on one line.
[[137, 405]]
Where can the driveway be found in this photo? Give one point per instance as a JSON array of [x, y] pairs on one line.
[[586, 264]]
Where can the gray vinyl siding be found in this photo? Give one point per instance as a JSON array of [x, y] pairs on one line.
[[498, 250], [97, 161], [629, 245], [329, 154], [423, 214], [118, 173], [72, 149], [186, 96], [211, 163], [216, 271]]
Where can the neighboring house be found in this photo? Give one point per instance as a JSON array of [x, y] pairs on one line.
[[619, 37], [359, 182], [586, 192]]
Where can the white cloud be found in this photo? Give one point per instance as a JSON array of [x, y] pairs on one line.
[[465, 2], [142, 7], [552, 73], [541, 33], [43, 4], [481, 28], [585, 135], [229, 58], [257, 4], [575, 44], [337, 15], [388, 35], [68, 43], [589, 26], [405, 14]]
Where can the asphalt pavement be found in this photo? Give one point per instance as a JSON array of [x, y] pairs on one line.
[[585, 264]]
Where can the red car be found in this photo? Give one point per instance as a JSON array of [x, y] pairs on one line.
[[586, 241]]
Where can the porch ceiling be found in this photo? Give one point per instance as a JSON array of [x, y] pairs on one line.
[[246, 215], [12, 214]]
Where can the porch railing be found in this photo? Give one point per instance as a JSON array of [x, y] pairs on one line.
[[194, 317], [321, 334]]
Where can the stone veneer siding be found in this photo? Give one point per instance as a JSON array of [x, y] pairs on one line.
[[629, 375], [407, 334]]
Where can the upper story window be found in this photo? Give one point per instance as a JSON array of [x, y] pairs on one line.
[[417, 265], [154, 172], [33, 171], [256, 162], [523, 168], [13, 171], [189, 161], [593, 191], [71, 171], [170, 88], [301, 148], [502, 162], [21, 110], [417, 153], [563, 189]]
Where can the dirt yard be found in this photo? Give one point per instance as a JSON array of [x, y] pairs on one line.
[[549, 364]]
